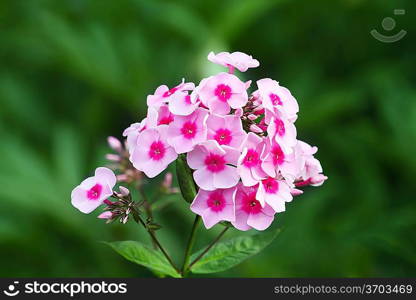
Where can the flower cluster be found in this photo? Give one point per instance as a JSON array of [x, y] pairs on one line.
[[241, 146]]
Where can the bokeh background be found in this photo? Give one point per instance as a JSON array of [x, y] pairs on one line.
[[74, 72]]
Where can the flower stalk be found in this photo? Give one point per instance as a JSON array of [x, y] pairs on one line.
[[190, 245], [139, 220], [207, 249]]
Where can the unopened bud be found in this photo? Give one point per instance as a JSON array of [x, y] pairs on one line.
[[124, 191], [318, 180], [122, 177], [255, 128], [113, 157], [167, 181], [296, 192], [238, 112], [124, 219], [105, 215], [252, 117], [115, 144], [107, 202]]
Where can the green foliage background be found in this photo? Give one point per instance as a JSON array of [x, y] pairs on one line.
[[73, 72]]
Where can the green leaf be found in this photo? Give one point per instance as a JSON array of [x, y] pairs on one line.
[[185, 179], [228, 254], [145, 256]]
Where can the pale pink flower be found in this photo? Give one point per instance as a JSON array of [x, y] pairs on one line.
[[212, 164], [182, 104], [92, 192], [249, 213], [132, 132], [238, 60], [163, 94], [226, 130], [153, 153], [159, 116], [274, 192], [249, 162], [214, 206], [276, 158], [275, 97], [187, 131], [222, 92], [283, 131], [311, 172]]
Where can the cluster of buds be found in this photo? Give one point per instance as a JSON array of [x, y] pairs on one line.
[[121, 208], [120, 163]]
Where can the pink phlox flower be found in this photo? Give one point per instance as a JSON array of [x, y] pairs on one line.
[[238, 60], [183, 104], [215, 206], [275, 97], [92, 192], [283, 131], [159, 116], [152, 153], [249, 163], [275, 192], [277, 159], [311, 171], [222, 92], [249, 211], [214, 165], [132, 132], [226, 130], [163, 94], [185, 132]]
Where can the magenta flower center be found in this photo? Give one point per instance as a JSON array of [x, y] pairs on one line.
[[270, 185], [170, 92], [223, 136], [188, 99], [280, 127], [250, 205], [157, 150], [275, 99], [214, 162], [166, 120], [189, 130], [216, 201], [95, 192], [278, 155], [223, 92], [252, 158]]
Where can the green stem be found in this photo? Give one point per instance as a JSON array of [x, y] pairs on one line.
[[148, 209], [207, 248], [156, 241], [190, 245]]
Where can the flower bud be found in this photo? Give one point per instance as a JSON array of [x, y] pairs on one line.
[[252, 117], [296, 192], [167, 181], [113, 157], [124, 191], [115, 144], [105, 215], [256, 129], [122, 177]]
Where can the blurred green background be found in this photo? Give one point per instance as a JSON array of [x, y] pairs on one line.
[[74, 72]]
